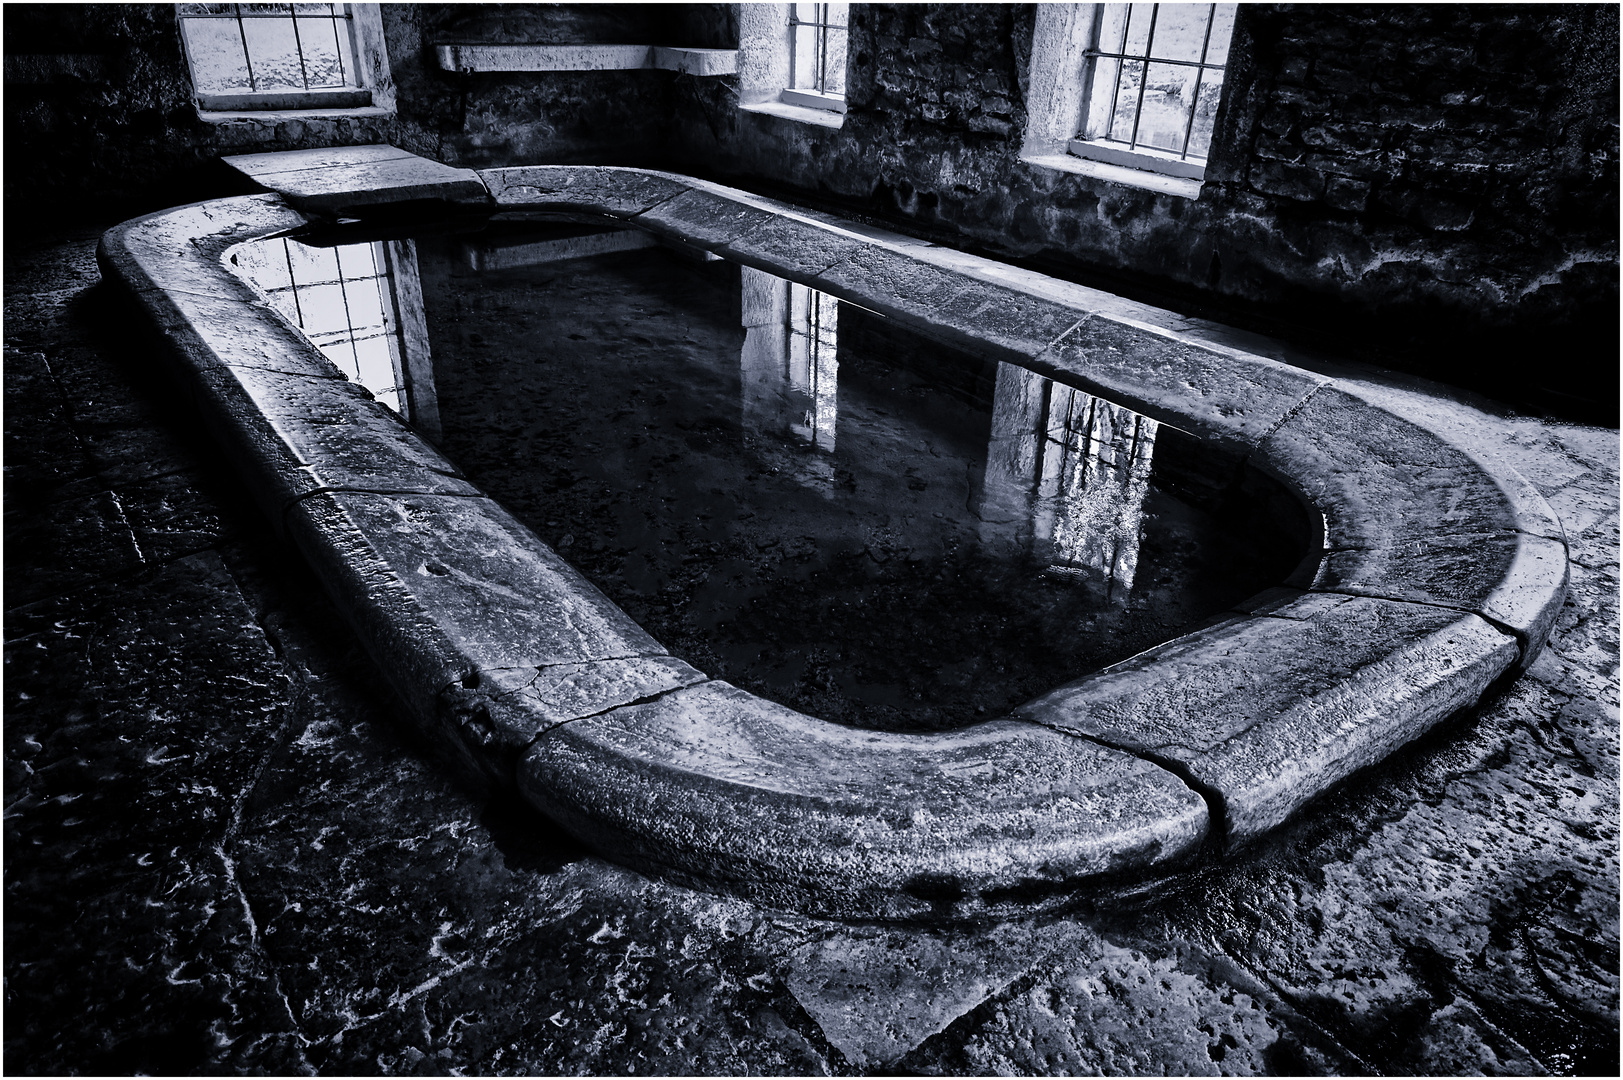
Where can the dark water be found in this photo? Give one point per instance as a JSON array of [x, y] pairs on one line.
[[800, 497]]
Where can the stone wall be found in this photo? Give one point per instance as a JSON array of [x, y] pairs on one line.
[[1435, 185], [99, 102], [99, 106]]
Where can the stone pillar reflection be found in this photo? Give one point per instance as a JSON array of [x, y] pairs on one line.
[[789, 364], [1066, 475]]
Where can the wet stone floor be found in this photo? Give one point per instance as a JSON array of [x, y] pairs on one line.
[[223, 854]]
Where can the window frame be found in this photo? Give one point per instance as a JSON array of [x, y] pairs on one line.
[[371, 93], [817, 96], [1060, 93], [1133, 154], [765, 68]]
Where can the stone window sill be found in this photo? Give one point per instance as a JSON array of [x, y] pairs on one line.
[[1182, 186], [822, 117], [273, 115]]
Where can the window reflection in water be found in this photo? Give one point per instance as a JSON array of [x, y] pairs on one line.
[[1066, 474], [362, 306], [789, 361]]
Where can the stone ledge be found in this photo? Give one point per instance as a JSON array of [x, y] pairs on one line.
[[544, 684], [713, 783]]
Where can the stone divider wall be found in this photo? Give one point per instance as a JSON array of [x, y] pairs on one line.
[[1436, 575]]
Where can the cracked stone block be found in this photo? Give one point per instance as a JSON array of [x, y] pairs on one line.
[[342, 180], [1513, 579], [307, 434], [1212, 393], [538, 698], [790, 248], [1270, 710], [797, 812], [704, 219], [66, 545], [981, 316], [1383, 481], [878, 995], [440, 589], [618, 192]]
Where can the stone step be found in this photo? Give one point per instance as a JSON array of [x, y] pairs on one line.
[[345, 181]]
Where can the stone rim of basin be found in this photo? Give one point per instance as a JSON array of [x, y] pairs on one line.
[[1437, 575]]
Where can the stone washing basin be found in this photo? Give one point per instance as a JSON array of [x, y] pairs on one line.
[[1434, 575]]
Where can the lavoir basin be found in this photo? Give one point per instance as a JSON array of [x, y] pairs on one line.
[[850, 573]]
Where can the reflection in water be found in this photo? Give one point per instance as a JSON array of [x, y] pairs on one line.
[[511, 253], [1073, 466], [789, 361], [362, 306]]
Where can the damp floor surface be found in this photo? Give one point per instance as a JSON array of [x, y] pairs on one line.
[[222, 854]]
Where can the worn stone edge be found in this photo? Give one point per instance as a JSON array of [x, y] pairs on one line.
[[121, 262]]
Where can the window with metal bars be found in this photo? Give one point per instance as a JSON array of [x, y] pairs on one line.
[[273, 56], [1153, 80], [818, 34]]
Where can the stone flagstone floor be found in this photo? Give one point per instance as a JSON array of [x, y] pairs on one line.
[[224, 855]]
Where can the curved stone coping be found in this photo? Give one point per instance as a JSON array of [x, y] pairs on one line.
[[1436, 575]]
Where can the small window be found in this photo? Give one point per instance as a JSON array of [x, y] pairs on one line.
[[1153, 78], [817, 47], [273, 56]]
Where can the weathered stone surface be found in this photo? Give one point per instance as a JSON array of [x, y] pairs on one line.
[[978, 315], [1205, 391], [1269, 711], [260, 166], [347, 179], [794, 811], [319, 433], [1516, 580], [165, 248], [877, 995], [557, 693], [790, 248], [703, 218], [236, 331], [67, 546], [620, 192], [1381, 480], [1113, 1010]]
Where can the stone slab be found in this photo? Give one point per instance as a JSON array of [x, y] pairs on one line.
[[981, 316], [878, 994], [714, 783], [791, 248], [1512, 579], [698, 217], [314, 434], [1206, 392], [334, 183], [1381, 480], [1270, 710], [259, 166], [617, 192]]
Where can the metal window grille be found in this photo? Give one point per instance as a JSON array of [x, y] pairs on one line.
[[817, 47], [243, 49], [1156, 74]]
